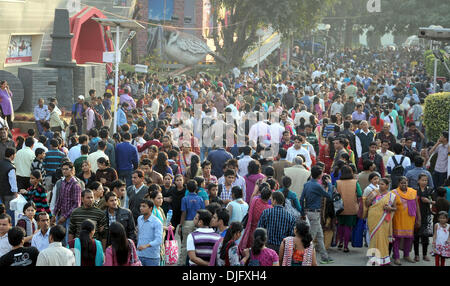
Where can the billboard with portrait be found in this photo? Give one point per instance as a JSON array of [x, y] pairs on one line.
[[20, 49]]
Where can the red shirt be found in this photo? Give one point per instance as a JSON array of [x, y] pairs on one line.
[[378, 127]]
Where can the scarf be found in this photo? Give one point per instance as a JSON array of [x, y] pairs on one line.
[[30, 224]]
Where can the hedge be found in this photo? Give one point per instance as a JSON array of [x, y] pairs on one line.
[[429, 64], [436, 114]]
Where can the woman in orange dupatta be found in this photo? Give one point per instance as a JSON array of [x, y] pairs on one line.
[[407, 217], [379, 222], [257, 206]]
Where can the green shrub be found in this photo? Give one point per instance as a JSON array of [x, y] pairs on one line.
[[436, 114]]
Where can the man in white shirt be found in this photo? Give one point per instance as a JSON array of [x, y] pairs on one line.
[[23, 160], [244, 161], [56, 254], [155, 105], [259, 130], [297, 149], [40, 144], [40, 239], [75, 151], [5, 226], [93, 157], [90, 116], [275, 130], [398, 149], [302, 114], [385, 153], [337, 106]]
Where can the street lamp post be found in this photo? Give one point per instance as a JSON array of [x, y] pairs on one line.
[[126, 24]]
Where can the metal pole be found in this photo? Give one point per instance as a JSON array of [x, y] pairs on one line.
[[312, 46], [435, 75], [326, 45], [116, 84]]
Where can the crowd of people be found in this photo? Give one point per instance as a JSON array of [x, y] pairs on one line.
[[242, 169]]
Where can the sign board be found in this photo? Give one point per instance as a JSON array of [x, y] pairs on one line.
[[141, 68], [20, 49], [109, 57], [374, 6]]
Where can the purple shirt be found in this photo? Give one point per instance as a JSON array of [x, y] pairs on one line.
[[69, 197], [358, 116], [6, 102], [128, 99]]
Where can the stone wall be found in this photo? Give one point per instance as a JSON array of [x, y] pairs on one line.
[[89, 76], [37, 82]]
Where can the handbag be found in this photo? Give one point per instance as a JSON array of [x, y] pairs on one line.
[[171, 249], [134, 259], [338, 203], [291, 210]]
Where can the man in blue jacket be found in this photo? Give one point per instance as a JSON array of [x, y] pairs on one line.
[[311, 204], [126, 159]]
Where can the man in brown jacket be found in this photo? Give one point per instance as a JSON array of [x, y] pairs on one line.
[[280, 165]]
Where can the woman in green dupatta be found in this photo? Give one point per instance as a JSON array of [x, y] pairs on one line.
[[157, 198], [379, 221]]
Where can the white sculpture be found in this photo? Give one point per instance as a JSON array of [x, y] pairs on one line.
[[187, 49]]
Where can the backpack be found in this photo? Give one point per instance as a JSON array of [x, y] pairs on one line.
[[397, 172], [98, 119]]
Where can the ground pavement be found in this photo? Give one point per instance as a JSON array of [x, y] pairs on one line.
[[357, 257]]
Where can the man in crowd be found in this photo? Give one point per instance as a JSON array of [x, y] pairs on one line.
[[56, 254], [40, 239]]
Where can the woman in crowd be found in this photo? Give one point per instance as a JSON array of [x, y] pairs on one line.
[[162, 164], [28, 223], [288, 194], [37, 194], [254, 174], [194, 169], [122, 251], [158, 212], [177, 193], [88, 251], [86, 175], [424, 196], [228, 254], [381, 208], [259, 203], [298, 250], [260, 252], [97, 189], [350, 191], [407, 217], [105, 174], [237, 208]]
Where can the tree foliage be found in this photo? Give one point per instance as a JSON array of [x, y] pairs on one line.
[[244, 17]]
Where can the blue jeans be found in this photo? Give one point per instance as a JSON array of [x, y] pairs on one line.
[[66, 225], [149, 261], [126, 176]]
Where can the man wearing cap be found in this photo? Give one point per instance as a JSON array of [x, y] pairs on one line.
[[77, 114]]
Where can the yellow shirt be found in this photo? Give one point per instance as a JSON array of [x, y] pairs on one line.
[[403, 223]]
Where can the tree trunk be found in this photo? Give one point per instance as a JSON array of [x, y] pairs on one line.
[[134, 41]]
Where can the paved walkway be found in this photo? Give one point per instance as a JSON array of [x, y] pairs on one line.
[[357, 257]]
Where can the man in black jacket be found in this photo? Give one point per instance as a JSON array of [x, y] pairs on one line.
[[8, 191], [114, 213], [136, 193]]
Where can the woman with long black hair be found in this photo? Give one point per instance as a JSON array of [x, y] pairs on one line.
[[377, 122], [194, 170], [298, 250], [122, 251], [88, 251], [260, 252], [162, 164], [228, 254]]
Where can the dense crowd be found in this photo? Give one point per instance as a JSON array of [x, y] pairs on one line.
[[238, 169]]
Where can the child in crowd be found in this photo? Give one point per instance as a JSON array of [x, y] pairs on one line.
[[441, 239]]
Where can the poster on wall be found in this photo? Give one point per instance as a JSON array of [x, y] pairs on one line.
[[19, 50]]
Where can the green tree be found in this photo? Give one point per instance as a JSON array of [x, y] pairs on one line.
[[244, 17]]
